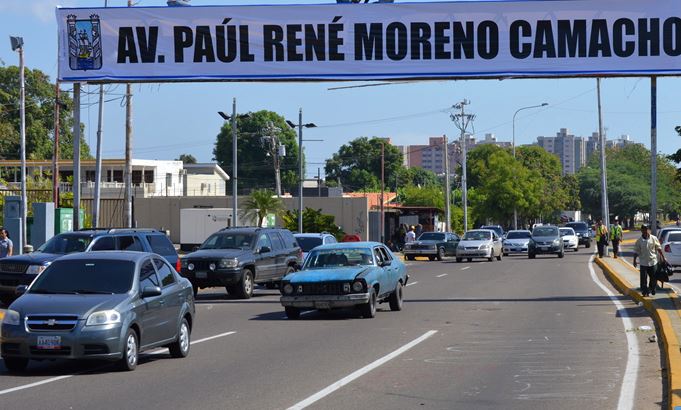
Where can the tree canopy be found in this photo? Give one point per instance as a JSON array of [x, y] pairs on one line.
[[357, 165], [313, 221], [187, 159], [255, 167], [40, 98], [260, 203]]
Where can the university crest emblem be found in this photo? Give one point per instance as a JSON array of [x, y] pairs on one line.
[[85, 43]]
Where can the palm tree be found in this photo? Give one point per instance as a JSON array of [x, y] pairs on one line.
[[261, 203]]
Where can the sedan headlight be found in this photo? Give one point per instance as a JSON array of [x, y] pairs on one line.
[[460, 246], [228, 263], [357, 286], [104, 317], [36, 269], [12, 317], [484, 246], [288, 289], [556, 241]]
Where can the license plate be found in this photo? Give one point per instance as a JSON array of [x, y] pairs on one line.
[[545, 248], [201, 275], [322, 305], [49, 342]]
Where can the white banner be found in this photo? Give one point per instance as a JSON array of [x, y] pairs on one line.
[[371, 41]]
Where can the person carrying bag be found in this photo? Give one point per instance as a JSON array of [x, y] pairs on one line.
[[601, 237]]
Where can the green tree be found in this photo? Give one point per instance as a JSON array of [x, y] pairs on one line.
[[415, 176], [313, 221], [40, 98], [357, 164], [571, 188], [255, 165], [187, 159], [676, 157], [546, 195], [259, 204], [431, 196]]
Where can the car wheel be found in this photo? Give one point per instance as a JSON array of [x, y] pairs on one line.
[[368, 310], [588, 244], [499, 257], [292, 312], [15, 364], [396, 298], [577, 248], [470, 259], [130, 351], [561, 254], [245, 287], [409, 257], [195, 288], [180, 347], [491, 256], [440, 254], [505, 254], [531, 255], [458, 260]]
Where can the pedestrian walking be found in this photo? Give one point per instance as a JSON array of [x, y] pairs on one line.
[[616, 237], [419, 230], [601, 237], [410, 236], [647, 248], [6, 245]]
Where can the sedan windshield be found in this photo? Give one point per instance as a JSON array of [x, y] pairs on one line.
[[308, 243], [334, 258], [518, 235], [432, 236], [578, 226], [86, 277], [66, 243], [228, 241], [545, 232], [477, 236], [566, 231]]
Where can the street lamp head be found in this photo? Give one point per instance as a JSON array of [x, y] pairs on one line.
[[544, 104], [310, 125], [17, 42], [223, 115], [290, 124]]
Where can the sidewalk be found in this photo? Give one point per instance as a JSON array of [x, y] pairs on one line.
[[665, 308]]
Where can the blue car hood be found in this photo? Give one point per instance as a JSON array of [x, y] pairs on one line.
[[36, 258], [326, 275], [80, 305]]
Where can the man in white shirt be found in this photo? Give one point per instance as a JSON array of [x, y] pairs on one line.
[[410, 236], [647, 248]]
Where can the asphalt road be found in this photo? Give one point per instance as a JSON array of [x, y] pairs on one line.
[[515, 334]]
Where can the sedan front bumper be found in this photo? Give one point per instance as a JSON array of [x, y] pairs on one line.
[[473, 253], [325, 301], [538, 250], [91, 342]]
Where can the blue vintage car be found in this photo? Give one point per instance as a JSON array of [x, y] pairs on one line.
[[348, 274]]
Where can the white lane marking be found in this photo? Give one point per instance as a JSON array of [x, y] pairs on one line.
[[444, 274], [359, 373], [467, 267], [628, 390], [68, 376], [411, 283]]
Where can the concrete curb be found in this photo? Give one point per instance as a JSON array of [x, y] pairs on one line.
[[669, 338]]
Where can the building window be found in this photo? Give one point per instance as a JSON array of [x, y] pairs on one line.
[[137, 177], [148, 177], [118, 176]]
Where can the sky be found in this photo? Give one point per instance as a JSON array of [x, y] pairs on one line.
[[172, 119]]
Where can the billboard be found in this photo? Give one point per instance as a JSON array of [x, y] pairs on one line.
[[458, 40]]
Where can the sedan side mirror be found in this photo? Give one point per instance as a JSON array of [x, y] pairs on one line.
[[20, 290], [151, 291], [265, 249]]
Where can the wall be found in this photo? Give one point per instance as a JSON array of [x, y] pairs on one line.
[[193, 185], [351, 214]]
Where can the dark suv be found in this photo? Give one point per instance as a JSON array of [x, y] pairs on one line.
[[237, 258], [22, 269], [583, 232]]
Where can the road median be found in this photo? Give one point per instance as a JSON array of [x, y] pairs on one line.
[[621, 275]]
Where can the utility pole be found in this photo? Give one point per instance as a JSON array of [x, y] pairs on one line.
[[233, 118], [76, 156], [604, 177], [382, 192], [270, 135], [98, 165], [462, 120], [55, 150], [128, 151], [653, 154], [448, 212]]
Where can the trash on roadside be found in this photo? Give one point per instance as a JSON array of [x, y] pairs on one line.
[[652, 339]]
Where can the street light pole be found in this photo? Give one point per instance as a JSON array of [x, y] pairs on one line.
[[301, 176], [382, 192], [232, 119], [461, 121], [604, 177], [448, 212], [18, 45], [515, 208]]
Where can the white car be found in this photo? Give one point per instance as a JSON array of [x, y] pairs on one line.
[[479, 243], [570, 239], [662, 233], [672, 249], [516, 241]]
